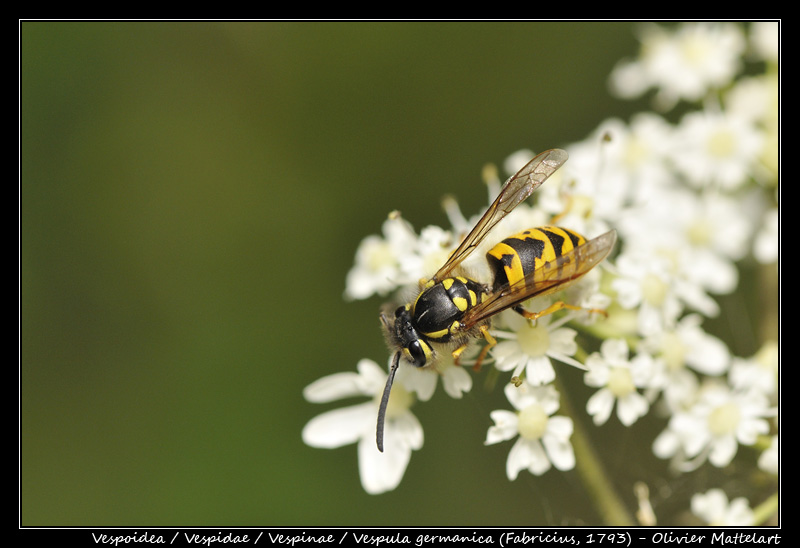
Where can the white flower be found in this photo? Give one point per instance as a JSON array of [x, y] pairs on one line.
[[590, 196], [769, 459], [543, 439], [529, 346], [686, 346], [759, 372], [645, 282], [433, 248], [382, 263], [717, 230], [618, 163], [754, 98], [713, 508], [380, 472], [765, 39], [684, 64], [714, 426], [678, 249], [766, 247], [618, 379], [717, 149]]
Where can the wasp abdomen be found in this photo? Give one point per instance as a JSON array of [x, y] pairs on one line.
[[517, 256]]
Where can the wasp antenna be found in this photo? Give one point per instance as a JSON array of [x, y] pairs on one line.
[[385, 400]]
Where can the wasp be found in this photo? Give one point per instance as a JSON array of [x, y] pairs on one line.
[[451, 309]]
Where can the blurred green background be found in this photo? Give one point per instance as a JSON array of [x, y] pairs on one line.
[[191, 198]]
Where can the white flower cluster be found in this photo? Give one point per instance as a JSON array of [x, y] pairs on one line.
[[691, 200]]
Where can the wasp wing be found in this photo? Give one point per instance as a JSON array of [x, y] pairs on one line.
[[548, 278], [514, 191]]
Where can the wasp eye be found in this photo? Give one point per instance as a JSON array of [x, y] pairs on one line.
[[417, 353]]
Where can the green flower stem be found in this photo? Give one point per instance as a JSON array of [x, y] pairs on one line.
[[607, 501], [766, 510]]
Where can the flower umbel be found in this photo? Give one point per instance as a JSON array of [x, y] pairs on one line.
[[683, 65], [692, 198], [714, 426]]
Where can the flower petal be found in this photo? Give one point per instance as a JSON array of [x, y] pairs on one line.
[[518, 459], [456, 381], [560, 427], [373, 376], [631, 407], [334, 387], [559, 451], [539, 462], [405, 430], [562, 341], [723, 450], [381, 472], [367, 382], [339, 427], [600, 405], [539, 371], [421, 381], [505, 426]]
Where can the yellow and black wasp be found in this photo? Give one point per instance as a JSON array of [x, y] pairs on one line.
[[451, 309]]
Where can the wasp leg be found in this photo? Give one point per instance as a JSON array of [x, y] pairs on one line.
[[555, 307], [490, 343], [457, 353]]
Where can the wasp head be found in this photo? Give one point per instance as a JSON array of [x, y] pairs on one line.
[[404, 337]]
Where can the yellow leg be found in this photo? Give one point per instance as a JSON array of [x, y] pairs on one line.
[[457, 353], [490, 343]]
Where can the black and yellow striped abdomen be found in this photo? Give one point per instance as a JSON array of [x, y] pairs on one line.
[[517, 256]]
